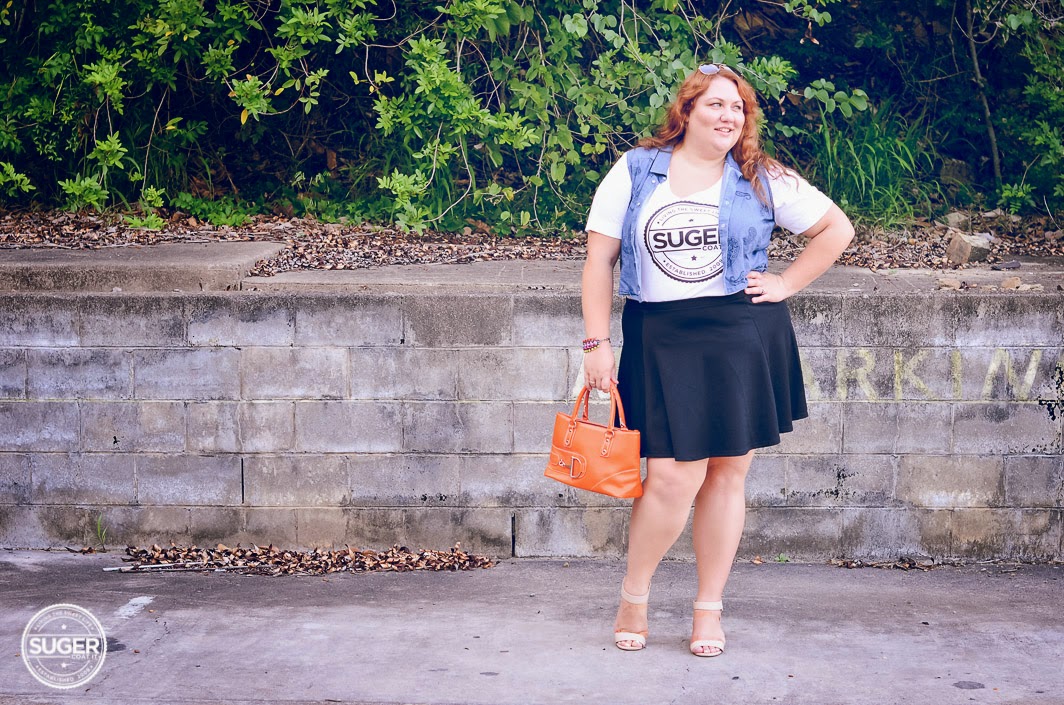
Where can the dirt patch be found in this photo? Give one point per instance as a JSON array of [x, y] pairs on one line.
[[315, 245]]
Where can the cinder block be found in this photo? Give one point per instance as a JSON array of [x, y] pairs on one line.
[[518, 374], [53, 525], [85, 478], [12, 374], [321, 527], [240, 319], [556, 320], [992, 321], [1034, 481], [899, 320], [1013, 429], [599, 532], [943, 482], [893, 427], [766, 483], [144, 526], [233, 427], [268, 525], [818, 320], [300, 373], [442, 320], [348, 426], [1006, 374], [348, 320], [44, 527], [534, 424], [404, 373], [20, 528], [1020, 534], [922, 373], [518, 481], [189, 480], [883, 533], [405, 480], [122, 426], [478, 530], [187, 374], [79, 373], [266, 426], [14, 478], [130, 321], [296, 481], [818, 373], [209, 526], [802, 533], [457, 427], [39, 425], [863, 374], [214, 427], [35, 320], [840, 480], [820, 432]]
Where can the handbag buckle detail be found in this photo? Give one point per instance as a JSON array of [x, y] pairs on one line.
[[606, 442], [572, 467], [569, 434]]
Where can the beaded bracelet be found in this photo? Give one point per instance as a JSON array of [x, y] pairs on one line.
[[590, 344]]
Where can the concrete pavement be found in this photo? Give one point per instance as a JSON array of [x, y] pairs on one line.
[[534, 631]]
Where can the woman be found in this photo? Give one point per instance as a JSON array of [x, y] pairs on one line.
[[710, 369]]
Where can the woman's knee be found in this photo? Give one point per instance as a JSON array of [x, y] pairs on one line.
[[674, 480], [727, 474]]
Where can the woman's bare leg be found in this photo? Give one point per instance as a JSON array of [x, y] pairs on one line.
[[658, 519], [720, 513]]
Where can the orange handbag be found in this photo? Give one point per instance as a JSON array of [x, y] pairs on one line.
[[593, 457]]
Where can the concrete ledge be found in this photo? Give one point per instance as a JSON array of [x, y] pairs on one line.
[[210, 266]]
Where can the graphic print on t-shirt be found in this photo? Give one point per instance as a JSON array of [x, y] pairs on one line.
[[683, 241]]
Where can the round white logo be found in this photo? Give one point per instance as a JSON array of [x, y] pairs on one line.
[[64, 646], [683, 241]]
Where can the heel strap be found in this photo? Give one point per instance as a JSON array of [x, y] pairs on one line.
[[714, 606], [634, 599]]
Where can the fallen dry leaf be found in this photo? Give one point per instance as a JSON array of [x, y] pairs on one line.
[[1011, 283]]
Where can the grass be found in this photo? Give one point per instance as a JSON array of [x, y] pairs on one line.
[[876, 167]]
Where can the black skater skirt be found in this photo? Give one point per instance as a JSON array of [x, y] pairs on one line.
[[709, 377]]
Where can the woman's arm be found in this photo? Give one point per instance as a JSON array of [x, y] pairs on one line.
[[597, 300], [828, 237]]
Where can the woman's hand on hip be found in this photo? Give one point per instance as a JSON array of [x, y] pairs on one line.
[[766, 286], [599, 366]]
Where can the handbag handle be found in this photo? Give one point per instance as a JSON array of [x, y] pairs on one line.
[[616, 408]]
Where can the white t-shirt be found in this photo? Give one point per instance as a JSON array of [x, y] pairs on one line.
[[681, 255]]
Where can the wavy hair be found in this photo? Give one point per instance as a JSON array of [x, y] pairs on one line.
[[747, 151]]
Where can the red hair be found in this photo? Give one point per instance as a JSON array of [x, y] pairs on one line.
[[747, 151]]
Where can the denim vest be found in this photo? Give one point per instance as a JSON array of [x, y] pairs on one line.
[[745, 223]]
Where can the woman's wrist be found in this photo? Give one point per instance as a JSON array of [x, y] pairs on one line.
[[591, 344]]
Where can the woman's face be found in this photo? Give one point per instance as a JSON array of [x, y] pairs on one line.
[[716, 118]]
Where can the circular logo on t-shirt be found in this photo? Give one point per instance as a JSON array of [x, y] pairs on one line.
[[684, 242]]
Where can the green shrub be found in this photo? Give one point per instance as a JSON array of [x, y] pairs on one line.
[[507, 111]]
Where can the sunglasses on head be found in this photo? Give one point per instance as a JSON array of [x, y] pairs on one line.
[[711, 69]]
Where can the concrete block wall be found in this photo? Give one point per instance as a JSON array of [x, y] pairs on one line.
[[423, 419]]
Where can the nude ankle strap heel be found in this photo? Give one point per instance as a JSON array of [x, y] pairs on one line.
[[639, 639], [711, 643]]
